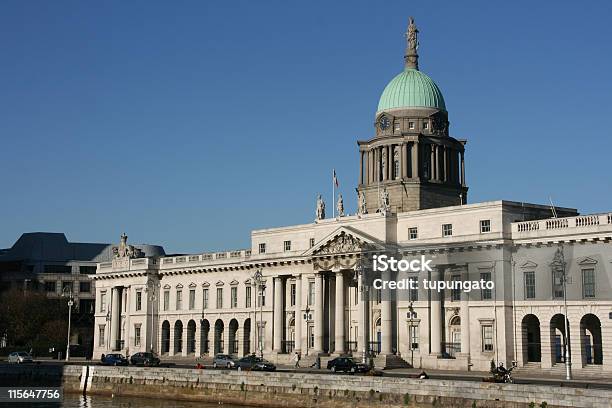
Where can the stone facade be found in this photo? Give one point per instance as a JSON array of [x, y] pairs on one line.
[[315, 302]]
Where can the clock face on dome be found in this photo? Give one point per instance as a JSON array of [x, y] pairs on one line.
[[384, 123]]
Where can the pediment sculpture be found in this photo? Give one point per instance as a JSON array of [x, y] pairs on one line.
[[342, 243]]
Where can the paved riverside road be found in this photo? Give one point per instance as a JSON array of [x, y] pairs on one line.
[[544, 379]]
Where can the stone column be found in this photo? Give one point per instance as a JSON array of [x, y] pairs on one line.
[[415, 160], [185, 345], [404, 161], [436, 317], [361, 167], [462, 169], [299, 314], [278, 313], [465, 320], [171, 350], [445, 163], [115, 323], [546, 349], [386, 323], [376, 166], [339, 320], [318, 313]]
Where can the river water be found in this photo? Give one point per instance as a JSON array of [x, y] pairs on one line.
[[97, 401]]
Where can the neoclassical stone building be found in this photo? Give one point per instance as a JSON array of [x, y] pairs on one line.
[[306, 288]]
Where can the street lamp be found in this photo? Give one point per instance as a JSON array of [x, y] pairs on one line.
[[568, 357], [411, 317], [307, 319], [67, 292], [152, 296], [261, 287]]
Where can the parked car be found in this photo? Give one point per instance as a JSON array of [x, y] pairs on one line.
[[223, 360], [114, 359], [145, 359], [19, 357], [254, 363], [346, 364]]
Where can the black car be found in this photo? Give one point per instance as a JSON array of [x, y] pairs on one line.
[[346, 364], [145, 359], [114, 359], [254, 363]]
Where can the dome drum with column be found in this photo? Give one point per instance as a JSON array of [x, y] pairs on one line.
[[412, 154]]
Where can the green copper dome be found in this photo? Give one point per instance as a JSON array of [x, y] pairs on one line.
[[411, 89]]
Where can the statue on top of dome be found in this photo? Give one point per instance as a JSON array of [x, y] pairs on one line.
[[412, 34], [412, 58]]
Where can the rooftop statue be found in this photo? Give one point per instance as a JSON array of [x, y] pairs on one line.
[[340, 206], [320, 208], [126, 251], [361, 204]]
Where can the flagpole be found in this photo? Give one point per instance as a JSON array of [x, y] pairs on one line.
[[333, 203]]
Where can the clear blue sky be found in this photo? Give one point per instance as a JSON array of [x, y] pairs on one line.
[[188, 124]]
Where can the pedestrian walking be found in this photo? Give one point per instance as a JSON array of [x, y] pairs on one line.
[[296, 359]]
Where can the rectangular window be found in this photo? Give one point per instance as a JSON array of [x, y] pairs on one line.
[[447, 230], [356, 297], [234, 297], [262, 248], [166, 299], [414, 293], [103, 301], [205, 299], [138, 300], [261, 295], [456, 291], [311, 336], [484, 292], [50, 286], [179, 299], [58, 269], [311, 293], [191, 299], [529, 278], [378, 296], [558, 282], [248, 297], [137, 335], [312, 242], [101, 336], [413, 233], [410, 125], [87, 270], [414, 337], [398, 125], [83, 287], [588, 283], [67, 286], [487, 337], [219, 298], [287, 246], [425, 125], [485, 226], [292, 297]]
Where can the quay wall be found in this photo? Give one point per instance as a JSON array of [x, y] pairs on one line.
[[282, 389]]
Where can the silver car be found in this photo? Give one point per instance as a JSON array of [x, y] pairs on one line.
[[223, 360], [19, 357]]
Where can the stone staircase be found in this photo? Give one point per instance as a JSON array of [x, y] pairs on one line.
[[558, 370], [390, 361]]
